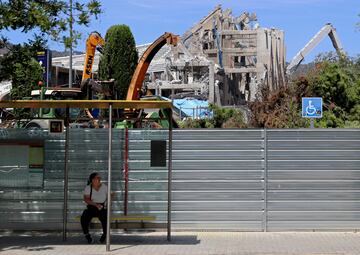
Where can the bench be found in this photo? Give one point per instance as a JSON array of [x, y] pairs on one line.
[[125, 218]]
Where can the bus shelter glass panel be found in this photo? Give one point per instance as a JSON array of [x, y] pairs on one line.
[[31, 199]]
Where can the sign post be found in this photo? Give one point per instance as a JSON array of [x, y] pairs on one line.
[[311, 108], [44, 59]]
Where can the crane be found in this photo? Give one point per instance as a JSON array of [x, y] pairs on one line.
[[329, 30]]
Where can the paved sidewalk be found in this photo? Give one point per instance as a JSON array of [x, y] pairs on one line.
[[210, 243]]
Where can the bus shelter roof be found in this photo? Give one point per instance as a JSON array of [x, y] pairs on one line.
[[103, 104]]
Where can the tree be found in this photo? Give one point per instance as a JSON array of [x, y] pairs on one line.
[[338, 83], [119, 59], [44, 17], [51, 17], [334, 78], [20, 66]]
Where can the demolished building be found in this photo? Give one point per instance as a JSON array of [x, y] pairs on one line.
[[222, 58]]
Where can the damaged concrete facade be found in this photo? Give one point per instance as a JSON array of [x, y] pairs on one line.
[[174, 72], [223, 58]]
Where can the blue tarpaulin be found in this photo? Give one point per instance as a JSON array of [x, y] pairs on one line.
[[193, 108]]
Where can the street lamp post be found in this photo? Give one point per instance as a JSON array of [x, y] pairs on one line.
[[71, 38]]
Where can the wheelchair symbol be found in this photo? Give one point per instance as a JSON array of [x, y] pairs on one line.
[[310, 109]]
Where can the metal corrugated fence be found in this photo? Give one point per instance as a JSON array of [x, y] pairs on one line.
[[226, 179], [218, 179], [313, 179]]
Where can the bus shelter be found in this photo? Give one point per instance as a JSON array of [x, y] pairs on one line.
[[101, 104]]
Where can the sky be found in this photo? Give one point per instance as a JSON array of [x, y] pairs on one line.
[[299, 19]]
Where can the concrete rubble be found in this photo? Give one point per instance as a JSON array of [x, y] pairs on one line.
[[223, 59]]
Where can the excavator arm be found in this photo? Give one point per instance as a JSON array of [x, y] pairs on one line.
[[87, 86], [140, 71], [329, 30], [93, 42]]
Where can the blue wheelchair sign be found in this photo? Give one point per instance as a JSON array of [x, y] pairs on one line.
[[311, 107]]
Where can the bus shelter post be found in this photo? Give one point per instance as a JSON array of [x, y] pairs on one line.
[[108, 222]]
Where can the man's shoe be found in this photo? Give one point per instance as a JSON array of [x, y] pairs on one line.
[[89, 239], [102, 238]]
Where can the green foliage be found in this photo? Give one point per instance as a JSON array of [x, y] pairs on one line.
[[335, 79], [51, 17], [338, 83], [27, 14], [352, 124], [329, 120], [226, 117], [25, 78], [119, 59], [222, 118], [192, 123], [20, 66], [355, 113]]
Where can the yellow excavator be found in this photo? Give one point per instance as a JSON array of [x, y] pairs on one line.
[[93, 43], [88, 85], [42, 117]]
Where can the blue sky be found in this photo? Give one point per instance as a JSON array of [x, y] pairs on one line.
[[299, 19]]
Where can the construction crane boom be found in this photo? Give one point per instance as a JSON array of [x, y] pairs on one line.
[[140, 71], [329, 30]]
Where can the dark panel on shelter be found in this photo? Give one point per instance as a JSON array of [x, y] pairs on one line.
[[158, 153]]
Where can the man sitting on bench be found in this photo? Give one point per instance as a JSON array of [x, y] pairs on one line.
[[95, 196]]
